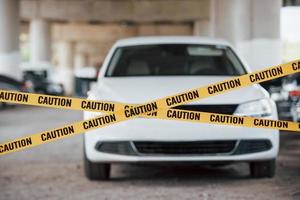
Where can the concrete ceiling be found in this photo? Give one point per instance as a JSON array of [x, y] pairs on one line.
[[116, 10]]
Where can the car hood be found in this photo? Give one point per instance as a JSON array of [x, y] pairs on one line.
[[142, 89]]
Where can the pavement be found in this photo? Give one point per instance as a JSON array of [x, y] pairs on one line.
[[55, 170]]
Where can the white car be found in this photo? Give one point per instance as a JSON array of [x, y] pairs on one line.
[[141, 69]]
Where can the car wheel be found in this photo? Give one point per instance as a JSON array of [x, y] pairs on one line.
[[96, 171], [263, 169]]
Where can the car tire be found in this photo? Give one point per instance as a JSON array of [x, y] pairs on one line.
[[96, 171], [263, 169]]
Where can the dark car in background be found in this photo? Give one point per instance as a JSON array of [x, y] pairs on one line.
[[38, 79], [294, 98], [9, 83], [287, 97]]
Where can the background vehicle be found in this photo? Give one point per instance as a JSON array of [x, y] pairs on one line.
[[137, 70], [8, 83], [295, 105], [39, 77], [286, 96], [40, 83]]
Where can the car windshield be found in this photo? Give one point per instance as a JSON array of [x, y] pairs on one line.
[[174, 60]]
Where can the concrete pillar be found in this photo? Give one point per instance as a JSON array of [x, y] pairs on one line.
[[265, 46], [64, 72], [202, 28], [252, 26], [80, 60], [232, 20], [40, 41], [9, 38]]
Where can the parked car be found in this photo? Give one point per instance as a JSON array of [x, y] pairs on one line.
[[268, 85], [284, 96], [295, 105], [295, 111], [40, 77], [9, 83], [137, 70], [40, 83]]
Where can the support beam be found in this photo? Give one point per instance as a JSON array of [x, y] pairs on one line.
[[9, 38], [64, 71], [91, 33], [240, 23], [164, 29], [265, 46], [111, 33], [232, 20], [40, 41], [202, 28], [80, 60], [116, 11]]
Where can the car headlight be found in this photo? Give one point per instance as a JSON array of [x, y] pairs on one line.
[[258, 108]]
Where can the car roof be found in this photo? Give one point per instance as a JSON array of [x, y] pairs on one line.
[[169, 40]]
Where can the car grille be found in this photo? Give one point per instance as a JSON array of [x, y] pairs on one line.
[[222, 109], [186, 148], [195, 148]]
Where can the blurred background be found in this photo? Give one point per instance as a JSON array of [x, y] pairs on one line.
[[58, 46]]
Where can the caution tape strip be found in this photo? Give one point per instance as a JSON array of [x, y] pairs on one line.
[[59, 102], [229, 85], [165, 114], [59, 133], [166, 102], [224, 119], [124, 112]]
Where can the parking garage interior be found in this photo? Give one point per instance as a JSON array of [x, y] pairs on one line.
[[65, 42]]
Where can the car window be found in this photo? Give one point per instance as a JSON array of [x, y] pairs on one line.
[[174, 60]]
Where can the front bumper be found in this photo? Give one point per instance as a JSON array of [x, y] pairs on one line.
[[168, 131]]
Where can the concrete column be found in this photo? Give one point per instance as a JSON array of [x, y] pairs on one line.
[[205, 27], [232, 20], [64, 72], [252, 26], [265, 46], [40, 41], [202, 28], [80, 60], [9, 38]]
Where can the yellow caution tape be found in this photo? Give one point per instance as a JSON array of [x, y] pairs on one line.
[[58, 133], [58, 102], [222, 119], [167, 102], [230, 84], [165, 114], [158, 109]]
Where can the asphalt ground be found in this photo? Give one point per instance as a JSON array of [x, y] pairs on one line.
[[55, 170]]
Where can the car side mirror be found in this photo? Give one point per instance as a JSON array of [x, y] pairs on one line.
[[84, 78]]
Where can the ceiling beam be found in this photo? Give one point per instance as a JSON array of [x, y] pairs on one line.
[[116, 10]]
